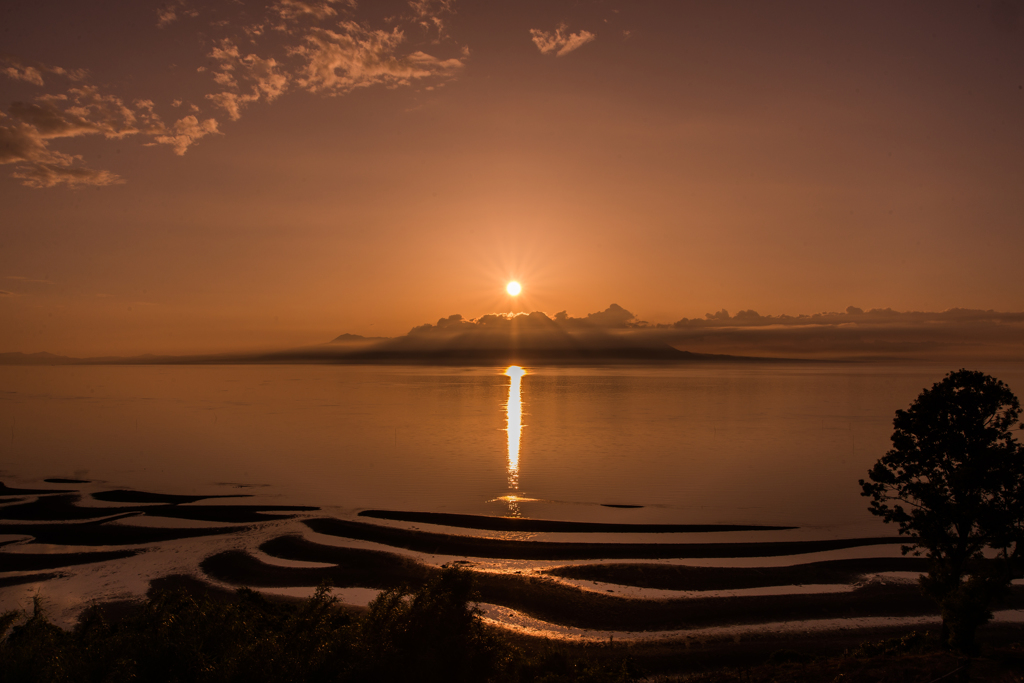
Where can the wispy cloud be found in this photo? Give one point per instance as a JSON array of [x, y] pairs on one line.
[[290, 10], [29, 128], [431, 15], [170, 12], [185, 132], [22, 278], [18, 70], [246, 79], [560, 42], [337, 62], [316, 46]]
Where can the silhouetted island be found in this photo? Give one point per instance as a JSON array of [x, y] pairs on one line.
[[609, 336]]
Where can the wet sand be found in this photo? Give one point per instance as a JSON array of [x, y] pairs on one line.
[[590, 587], [450, 544], [520, 524]]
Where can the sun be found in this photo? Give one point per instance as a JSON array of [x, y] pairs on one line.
[[513, 288]]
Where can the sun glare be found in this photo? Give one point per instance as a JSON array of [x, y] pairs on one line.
[[514, 288]]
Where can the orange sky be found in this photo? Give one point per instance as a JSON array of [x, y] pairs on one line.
[[186, 176]]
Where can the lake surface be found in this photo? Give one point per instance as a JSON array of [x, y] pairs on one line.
[[780, 444]]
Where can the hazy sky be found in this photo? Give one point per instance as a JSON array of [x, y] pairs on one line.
[[188, 176]]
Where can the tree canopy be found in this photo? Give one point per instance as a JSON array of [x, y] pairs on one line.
[[954, 483]]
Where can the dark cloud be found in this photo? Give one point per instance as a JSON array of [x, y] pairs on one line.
[[17, 143], [614, 316]]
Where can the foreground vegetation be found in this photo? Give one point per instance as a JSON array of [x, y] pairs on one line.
[[433, 634], [954, 483]]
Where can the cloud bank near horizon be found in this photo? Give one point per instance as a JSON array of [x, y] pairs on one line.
[[855, 333]]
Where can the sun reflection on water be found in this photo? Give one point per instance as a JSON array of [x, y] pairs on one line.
[[514, 429]]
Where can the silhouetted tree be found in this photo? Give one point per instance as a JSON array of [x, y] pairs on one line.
[[954, 482]]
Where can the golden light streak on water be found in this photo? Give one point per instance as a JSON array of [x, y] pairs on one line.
[[514, 429]]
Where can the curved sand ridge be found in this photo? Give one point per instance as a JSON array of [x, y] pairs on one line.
[[603, 587]]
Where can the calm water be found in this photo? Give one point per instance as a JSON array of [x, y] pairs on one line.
[[727, 444]]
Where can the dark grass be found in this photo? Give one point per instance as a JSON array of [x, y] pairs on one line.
[[489, 523], [909, 658], [467, 546]]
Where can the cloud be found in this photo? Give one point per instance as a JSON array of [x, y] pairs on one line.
[[261, 77], [18, 143], [166, 16], [23, 73], [259, 53], [33, 73], [22, 278], [559, 42], [356, 57], [955, 336], [614, 317], [41, 175], [429, 15], [185, 132], [81, 111], [28, 129], [291, 10], [170, 12], [853, 315], [4, 292]]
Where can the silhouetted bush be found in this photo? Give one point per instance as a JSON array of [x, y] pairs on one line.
[[431, 634]]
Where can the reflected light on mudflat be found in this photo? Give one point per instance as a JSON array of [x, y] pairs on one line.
[[514, 429]]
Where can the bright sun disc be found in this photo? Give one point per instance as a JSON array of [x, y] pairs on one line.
[[513, 288]]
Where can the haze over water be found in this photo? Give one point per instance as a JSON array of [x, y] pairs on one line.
[[770, 444]]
